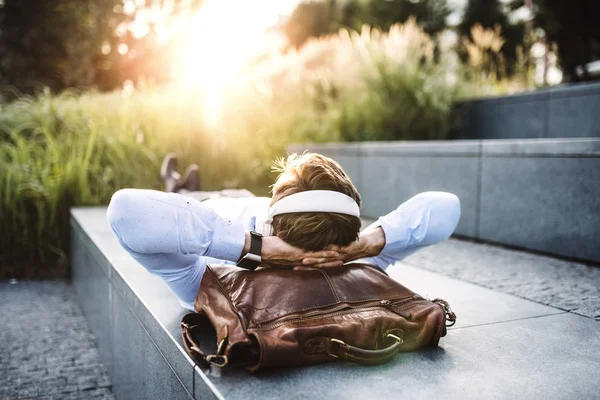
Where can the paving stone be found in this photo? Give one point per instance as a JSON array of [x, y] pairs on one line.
[[69, 389], [57, 357], [473, 304], [86, 382]]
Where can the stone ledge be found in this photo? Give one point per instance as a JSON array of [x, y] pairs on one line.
[[542, 147], [459, 148], [536, 194], [559, 112], [133, 315], [136, 320]]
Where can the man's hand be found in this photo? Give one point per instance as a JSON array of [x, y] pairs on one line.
[[368, 244], [276, 251]]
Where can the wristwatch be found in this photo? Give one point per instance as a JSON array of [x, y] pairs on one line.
[[252, 259]]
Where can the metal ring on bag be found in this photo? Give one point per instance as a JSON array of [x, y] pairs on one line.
[[211, 359], [398, 339], [223, 358]]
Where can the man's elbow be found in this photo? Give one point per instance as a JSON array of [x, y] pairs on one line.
[[453, 209], [119, 210], [445, 211]]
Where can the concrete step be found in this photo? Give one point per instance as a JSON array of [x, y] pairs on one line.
[[503, 346]]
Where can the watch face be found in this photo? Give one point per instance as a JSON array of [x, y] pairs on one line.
[[252, 258], [250, 261]]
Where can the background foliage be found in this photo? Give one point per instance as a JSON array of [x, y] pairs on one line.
[[574, 28], [350, 73], [78, 148], [50, 41], [59, 43]]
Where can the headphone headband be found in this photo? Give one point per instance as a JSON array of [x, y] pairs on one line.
[[308, 201], [316, 201]]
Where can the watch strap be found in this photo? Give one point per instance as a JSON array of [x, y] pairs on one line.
[[255, 243]]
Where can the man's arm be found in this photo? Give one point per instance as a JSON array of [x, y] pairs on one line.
[[174, 237], [426, 219], [149, 223]]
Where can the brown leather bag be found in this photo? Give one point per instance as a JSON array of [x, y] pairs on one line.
[[280, 317]]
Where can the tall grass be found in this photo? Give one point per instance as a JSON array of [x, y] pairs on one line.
[[79, 148], [73, 149]]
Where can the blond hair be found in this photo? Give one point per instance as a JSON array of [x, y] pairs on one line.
[[313, 230]]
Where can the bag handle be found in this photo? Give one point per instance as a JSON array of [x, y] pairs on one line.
[[339, 349]]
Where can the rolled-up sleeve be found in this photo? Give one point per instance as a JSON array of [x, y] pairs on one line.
[[152, 222], [228, 240]]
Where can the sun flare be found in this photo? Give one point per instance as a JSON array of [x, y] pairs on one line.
[[221, 38]]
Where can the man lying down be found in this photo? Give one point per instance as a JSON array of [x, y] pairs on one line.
[[312, 220]]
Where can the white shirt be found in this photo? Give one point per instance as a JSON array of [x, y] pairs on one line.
[[175, 237]]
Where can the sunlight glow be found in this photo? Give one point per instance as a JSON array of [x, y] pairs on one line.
[[123, 49], [222, 37], [129, 7]]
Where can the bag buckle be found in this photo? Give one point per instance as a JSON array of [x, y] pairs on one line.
[[342, 344]]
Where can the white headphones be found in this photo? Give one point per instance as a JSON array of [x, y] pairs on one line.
[[308, 201]]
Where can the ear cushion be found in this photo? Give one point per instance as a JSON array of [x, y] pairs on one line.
[[263, 227]]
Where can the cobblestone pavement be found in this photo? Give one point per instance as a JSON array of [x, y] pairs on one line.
[[46, 348], [558, 283]]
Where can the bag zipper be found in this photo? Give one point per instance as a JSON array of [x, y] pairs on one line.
[[343, 309]]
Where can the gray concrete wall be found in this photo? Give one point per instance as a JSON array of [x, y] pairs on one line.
[[142, 357], [562, 112], [538, 194]]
